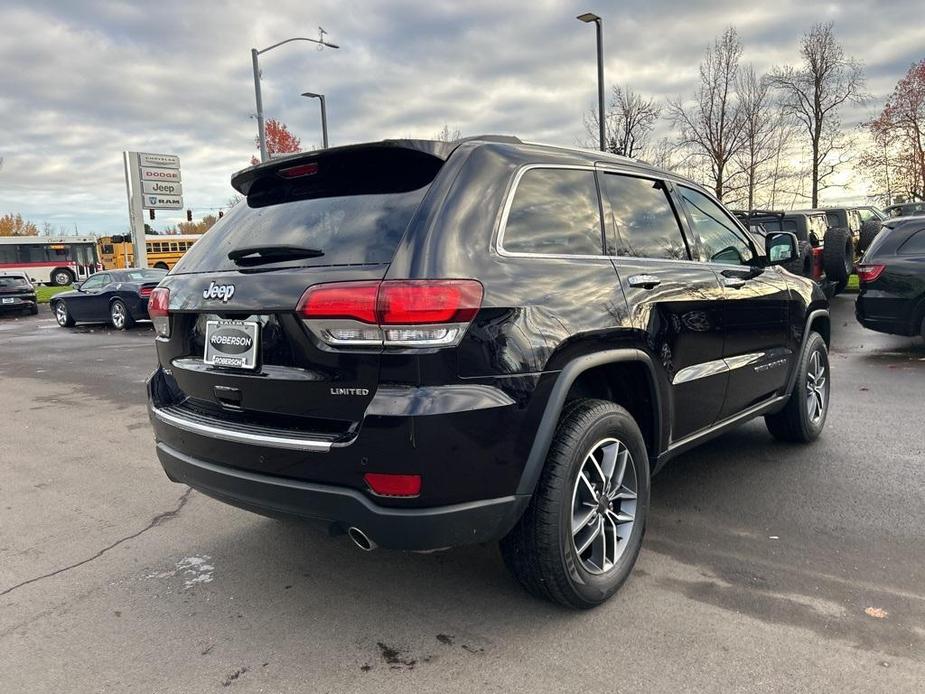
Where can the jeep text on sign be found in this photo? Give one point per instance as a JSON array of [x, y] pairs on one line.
[[161, 188], [150, 173]]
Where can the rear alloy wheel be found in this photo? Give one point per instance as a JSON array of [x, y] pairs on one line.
[[62, 315], [579, 538], [119, 315], [803, 417]]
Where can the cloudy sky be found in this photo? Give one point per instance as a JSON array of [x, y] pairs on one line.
[[83, 80]]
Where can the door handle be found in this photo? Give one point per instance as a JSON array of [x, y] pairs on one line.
[[644, 281], [734, 282]]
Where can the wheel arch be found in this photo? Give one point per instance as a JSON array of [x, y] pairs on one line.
[[609, 375]]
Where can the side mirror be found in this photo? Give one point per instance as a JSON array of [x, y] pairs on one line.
[[780, 247], [77, 285]]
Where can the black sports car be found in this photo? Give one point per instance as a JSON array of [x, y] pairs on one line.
[[119, 297]]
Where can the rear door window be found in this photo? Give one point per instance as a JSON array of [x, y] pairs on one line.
[[554, 212], [914, 245], [645, 222]]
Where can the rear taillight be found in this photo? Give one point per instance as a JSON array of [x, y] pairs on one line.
[[869, 273], [158, 303], [145, 291], [393, 313]]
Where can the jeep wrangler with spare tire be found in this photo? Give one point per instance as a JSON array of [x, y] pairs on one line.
[[428, 344]]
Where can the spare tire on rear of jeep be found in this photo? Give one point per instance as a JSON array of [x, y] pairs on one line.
[[869, 231], [838, 256]]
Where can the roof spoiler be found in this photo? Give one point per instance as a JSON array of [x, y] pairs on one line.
[[243, 181]]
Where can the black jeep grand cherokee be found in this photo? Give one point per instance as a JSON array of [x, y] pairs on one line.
[[428, 344]]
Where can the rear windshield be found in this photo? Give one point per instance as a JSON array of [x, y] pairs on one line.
[[152, 275], [351, 206], [349, 229], [14, 282]]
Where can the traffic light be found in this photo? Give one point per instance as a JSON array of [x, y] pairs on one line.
[[189, 215], [151, 214], [220, 214]]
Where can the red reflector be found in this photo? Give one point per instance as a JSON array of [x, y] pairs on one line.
[[417, 302], [393, 485], [158, 302], [868, 273], [352, 300], [299, 171]]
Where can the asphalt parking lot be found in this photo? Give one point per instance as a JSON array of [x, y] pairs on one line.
[[765, 567]]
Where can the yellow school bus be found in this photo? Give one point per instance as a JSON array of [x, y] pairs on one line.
[[163, 251]]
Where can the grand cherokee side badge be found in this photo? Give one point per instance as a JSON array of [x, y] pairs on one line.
[[218, 291]]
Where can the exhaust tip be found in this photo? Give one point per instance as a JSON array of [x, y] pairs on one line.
[[361, 539]]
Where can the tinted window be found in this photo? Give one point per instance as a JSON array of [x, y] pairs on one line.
[[554, 211], [832, 219], [152, 275], [7, 253], [720, 239], [914, 245], [645, 222], [349, 229], [7, 281], [95, 282]]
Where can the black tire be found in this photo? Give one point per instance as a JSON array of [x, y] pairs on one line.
[[62, 315], [795, 423], [541, 550], [802, 264], [838, 255], [119, 316], [33, 310], [62, 277], [869, 231]]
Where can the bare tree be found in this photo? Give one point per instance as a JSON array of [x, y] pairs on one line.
[[813, 94], [447, 135], [711, 124], [760, 125], [780, 173], [629, 122]]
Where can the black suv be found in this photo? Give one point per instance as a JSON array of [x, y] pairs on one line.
[[428, 344]]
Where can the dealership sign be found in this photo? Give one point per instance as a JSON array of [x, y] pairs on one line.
[[165, 161], [150, 173], [161, 188], [162, 202], [152, 182]]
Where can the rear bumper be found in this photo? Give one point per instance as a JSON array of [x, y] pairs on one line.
[[394, 528], [885, 314], [19, 303]]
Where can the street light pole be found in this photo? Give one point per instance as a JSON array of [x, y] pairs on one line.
[[262, 136], [261, 132], [324, 117], [589, 17]]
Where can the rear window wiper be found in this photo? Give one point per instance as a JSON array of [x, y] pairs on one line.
[[258, 255]]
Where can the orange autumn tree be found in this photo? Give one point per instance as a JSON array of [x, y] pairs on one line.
[[279, 140], [898, 134]]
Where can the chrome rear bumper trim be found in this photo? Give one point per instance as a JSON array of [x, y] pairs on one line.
[[252, 439]]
